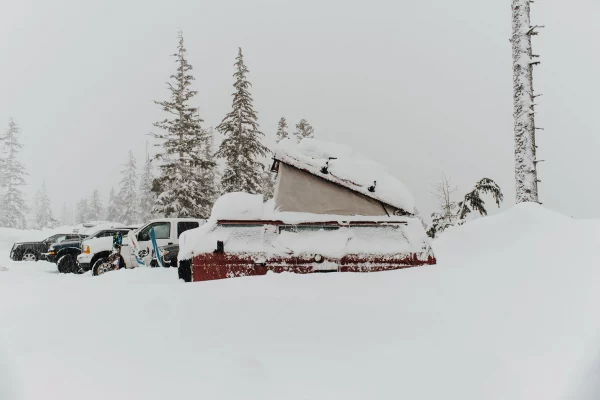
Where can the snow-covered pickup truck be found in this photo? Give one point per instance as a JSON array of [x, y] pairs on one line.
[[96, 246], [136, 244]]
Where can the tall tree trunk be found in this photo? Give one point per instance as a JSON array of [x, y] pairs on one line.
[[525, 161]]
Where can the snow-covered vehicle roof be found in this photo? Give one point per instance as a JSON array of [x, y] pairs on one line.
[[341, 165], [247, 214]]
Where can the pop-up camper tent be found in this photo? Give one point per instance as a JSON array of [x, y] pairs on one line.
[[333, 210]]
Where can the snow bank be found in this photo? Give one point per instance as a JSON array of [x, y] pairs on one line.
[[510, 312], [347, 168]]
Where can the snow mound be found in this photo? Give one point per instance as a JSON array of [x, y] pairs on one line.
[[346, 167], [510, 312], [238, 205]]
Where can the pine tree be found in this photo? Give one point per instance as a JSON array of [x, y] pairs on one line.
[[127, 204], [43, 216], [209, 175], [523, 101], [304, 130], [147, 197], [82, 211], [95, 213], [65, 215], [281, 130], [473, 201], [112, 212], [12, 214], [452, 213], [181, 190], [242, 147], [268, 183]]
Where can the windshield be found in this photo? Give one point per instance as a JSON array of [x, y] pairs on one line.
[[55, 239]]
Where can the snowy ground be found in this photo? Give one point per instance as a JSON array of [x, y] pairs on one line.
[[510, 312]]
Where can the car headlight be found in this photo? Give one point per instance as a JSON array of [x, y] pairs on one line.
[[86, 250]]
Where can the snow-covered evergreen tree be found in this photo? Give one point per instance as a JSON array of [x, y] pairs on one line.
[[523, 102], [242, 147], [43, 210], [458, 213], [95, 213], [146, 195], [304, 130], [65, 215], [282, 132], [82, 211], [210, 175], [112, 211], [268, 183], [12, 214], [181, 190], [127, 204]]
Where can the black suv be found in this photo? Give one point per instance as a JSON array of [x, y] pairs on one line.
[[63, 254], [33, 251]]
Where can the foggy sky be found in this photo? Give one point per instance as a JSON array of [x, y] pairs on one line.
[[424, 87]]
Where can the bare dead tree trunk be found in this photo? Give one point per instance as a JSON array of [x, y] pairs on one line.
[[523, 96], [443, 193]]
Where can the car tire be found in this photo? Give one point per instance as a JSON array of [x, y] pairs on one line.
[[97, 269], [66, 264], [29, 255], [103, 265], [184, 270], [171, 264]]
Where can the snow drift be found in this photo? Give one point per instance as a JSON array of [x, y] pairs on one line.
[[509, 312]]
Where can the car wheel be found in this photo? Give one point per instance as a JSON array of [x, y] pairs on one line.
[[100, 266], [184, 270], [66, 264], [29, 256], [103, 265], [172, 263]]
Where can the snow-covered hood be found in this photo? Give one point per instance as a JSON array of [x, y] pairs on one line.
[[102, 243]]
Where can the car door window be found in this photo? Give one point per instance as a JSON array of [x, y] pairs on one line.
[[186, 226], [60, 238], [162, 230], [52, 239]]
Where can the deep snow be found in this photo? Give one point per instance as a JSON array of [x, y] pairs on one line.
[[510, 312]]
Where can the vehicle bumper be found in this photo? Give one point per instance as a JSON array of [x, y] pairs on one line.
[[84, 258], [48, 257], [211, 266], [13, 253], [84, 266]]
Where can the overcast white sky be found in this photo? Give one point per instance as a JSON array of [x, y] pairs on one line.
[[425, 87]]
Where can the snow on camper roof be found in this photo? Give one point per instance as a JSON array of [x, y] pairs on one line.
[[347, 168]]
